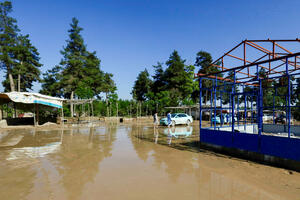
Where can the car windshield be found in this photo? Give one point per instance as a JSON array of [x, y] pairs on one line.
[[173, 115]]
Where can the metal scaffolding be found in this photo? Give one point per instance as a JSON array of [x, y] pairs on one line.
[[244, 84]]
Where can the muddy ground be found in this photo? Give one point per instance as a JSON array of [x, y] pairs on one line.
[[131, 160]]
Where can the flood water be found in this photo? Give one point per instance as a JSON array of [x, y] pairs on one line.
[[130, 161]]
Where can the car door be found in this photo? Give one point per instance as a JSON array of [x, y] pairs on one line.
[[182, 118]]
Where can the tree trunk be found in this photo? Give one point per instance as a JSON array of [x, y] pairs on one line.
[[11, 82], [117, 109], [92, 106], [71, 104], [106, 101], [137, 109], [19, 82]]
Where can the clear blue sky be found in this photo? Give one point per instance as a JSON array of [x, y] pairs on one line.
[[130, 36]]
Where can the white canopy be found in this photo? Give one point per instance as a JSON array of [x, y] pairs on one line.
[[33, 98]]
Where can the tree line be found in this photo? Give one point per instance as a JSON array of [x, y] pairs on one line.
[[174, 84], [77, 75]]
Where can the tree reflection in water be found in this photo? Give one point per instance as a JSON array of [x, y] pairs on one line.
[[79, 159]]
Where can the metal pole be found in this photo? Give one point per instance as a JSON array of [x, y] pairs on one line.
[[259, 104], [238, 110], [245, 109], [274, 108], [200, 103], [210, 108], [289, 98], [252, 109], [232, 106], [215, 102], [221, 106]]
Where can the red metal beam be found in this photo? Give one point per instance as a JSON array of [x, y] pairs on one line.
[[228, 52], [249, 62], [223, 79]]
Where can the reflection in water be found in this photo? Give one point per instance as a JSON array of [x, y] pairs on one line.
[[35, 151], [182, 131], [82, 151], [177, 132], [129, 162]]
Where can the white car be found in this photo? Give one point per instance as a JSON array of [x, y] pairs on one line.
[[177, 118]]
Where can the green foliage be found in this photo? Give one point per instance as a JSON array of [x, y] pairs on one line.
[[73, 60], [17, 54], [204, 62], [50, 82], [159, 83], [108, 85], [83, 91], [8, 36], [142, 86], [26, 64], [79, 71], [170, 87], [228, 88]]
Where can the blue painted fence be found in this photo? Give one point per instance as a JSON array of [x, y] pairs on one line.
[[283, 147]]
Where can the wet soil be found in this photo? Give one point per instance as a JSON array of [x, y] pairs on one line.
[[130, 161]]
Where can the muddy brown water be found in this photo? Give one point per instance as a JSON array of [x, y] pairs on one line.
[[130, 161]]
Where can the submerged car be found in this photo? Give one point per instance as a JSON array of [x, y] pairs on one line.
[[177, 118]]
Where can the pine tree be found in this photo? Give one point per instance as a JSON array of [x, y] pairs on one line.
[[142, 86], [51, 82], [179, 79], [204, 61], [26, 69], [159, 82], [73, 60], [8, 41], [93, 75], [108, 87]]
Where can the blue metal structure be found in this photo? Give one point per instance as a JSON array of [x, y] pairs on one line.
[[264, 86]]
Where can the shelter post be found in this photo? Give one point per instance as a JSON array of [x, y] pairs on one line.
[[37, 114], [92, 106], [62, 115]]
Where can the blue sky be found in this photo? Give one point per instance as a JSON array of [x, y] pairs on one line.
[[130, 36]]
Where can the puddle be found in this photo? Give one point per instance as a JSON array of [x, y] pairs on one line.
[[130, 161]]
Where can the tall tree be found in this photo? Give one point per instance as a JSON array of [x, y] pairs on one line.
[[228, 87], [26, 69], [50, 82], [204, 62], [93, 75], [73, 60], [8, 41], [179, 77], [108, 87], [296, 95], [142, 86], [159, 82]]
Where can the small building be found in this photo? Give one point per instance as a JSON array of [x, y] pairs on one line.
[[28, 101]]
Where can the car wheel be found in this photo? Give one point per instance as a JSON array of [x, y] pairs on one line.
[[188, 122], [173, 123]]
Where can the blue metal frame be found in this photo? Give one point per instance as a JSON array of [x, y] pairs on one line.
[[253, 102]]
